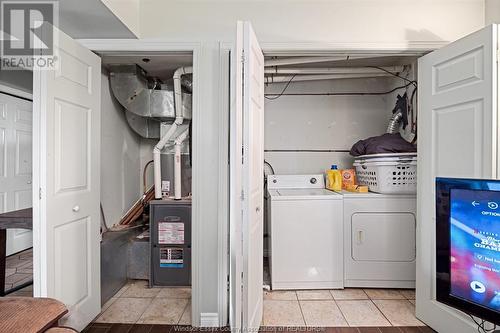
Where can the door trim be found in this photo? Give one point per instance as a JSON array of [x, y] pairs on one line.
[[156, 45]]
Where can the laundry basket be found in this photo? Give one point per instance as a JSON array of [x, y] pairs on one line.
[[388, 173]]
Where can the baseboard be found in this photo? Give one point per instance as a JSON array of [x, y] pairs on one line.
[[209, 319]]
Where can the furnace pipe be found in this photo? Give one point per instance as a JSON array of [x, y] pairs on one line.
[[333, 70], [179, 119], [285, 78], [177, 164]]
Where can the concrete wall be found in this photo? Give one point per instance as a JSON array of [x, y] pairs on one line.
[[210, 22], [323, 123], [121, 175]]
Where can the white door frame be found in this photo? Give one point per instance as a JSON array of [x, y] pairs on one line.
[[156, 45], [318, 49]]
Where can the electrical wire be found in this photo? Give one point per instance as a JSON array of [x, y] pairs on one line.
[[481, 325], [270, 166], [395, 74], [282, 92]]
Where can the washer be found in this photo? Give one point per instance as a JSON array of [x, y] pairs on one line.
[[306, 233], [379, 240]]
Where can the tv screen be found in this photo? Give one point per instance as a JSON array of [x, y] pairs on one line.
[[468, 246]]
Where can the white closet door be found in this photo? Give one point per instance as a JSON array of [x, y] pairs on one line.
[[457, 136], [247, 157], [16, 165], [66, 207]]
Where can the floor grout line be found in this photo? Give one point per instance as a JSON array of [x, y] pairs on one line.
[[342, 313], [383, 314], [302, 312], [182, 314]]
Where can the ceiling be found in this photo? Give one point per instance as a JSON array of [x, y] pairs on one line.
[[160, 65], [90, 19]]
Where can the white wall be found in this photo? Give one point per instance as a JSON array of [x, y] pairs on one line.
[[146, 152], [211, 22], [18, 79], [128, 11], [492, 11], [314, 20], [323, 123], [121, 175]]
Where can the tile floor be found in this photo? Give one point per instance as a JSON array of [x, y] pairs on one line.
[[136, 303], [18, 269], [340, 308]]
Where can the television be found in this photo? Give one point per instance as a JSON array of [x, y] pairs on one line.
[[468, 246]]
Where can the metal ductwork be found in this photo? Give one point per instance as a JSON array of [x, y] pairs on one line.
[[147, 102]]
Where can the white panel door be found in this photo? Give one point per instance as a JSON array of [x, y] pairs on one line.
[[457, 126], [66, 240], [16, 164], [247, 155]]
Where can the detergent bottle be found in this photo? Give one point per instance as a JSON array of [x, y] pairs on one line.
[[334, 179]]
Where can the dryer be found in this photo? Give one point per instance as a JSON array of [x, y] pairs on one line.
[[305, 226], [379, 240]]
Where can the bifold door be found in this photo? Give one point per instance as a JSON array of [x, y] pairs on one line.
[[16, 165], [458, 96], [247, 188], [67, 181]]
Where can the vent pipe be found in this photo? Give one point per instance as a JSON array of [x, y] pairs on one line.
[[179, 119]]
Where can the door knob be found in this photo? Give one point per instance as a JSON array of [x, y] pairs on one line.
[[29, 182], [76, 208]]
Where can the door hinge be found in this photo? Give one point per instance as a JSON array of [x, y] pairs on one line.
[[242, 195], [40, 193], [243, 56]]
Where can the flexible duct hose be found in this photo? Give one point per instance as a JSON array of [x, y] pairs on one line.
[[393, 126]]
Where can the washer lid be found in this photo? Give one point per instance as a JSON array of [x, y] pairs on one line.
[[304, 194]]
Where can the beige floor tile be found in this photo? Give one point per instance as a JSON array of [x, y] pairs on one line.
[[399, 312], [314, 295], [140, 288], [280, 295], [120, 292], [412, 301], [362, 313], [384, 294], [282, 313], [167, 311], [124, 310], [322, 313], [184, 293], [348, 293], [106, 305], [408, 293], [186, 316]]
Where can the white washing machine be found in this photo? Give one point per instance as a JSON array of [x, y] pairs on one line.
[[306, 236], [379, 240]]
